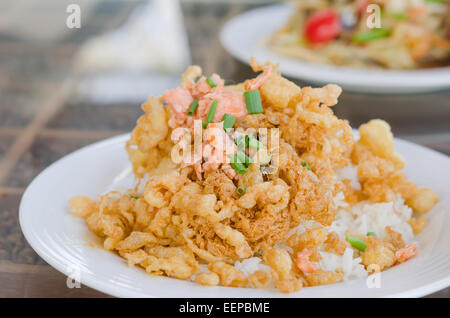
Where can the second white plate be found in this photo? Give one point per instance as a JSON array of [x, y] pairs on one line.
[[244, 36]]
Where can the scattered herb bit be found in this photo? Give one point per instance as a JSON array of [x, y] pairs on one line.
[[241, 142], [371, 234], [211, 82], [367, 36], [237, 166], [306, 165], [253, 101], [243, 158], [134, 197], [401, 16], [212, 111], [193, 107], [254, 143], [240, 190], [204, 125], [228, 121], [356, 242]]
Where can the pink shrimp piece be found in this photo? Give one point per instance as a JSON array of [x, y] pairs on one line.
[[259, 80], [406, 252], [181, 137], [303, 263], [178, 100], [228, 102], [415, 13], [178, 134], [201, 87], [219, 139], [212, 156], [218, 146]]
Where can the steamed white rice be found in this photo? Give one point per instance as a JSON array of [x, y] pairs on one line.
[[250, 265], [374, 217], [351, 266], [364, 217]]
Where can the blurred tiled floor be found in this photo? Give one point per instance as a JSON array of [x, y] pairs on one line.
[[39, 123]]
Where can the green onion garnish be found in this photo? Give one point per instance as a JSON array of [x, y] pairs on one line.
[[356, 242], [212, 111], [205, 124], [253, 101], [237, 165], [228, 121], [364, 37], [211, 82], [371, 234], [134, 197], [241, 142], [441, 1], [401, 16], [240, 190], [193, 107], [243, 158], [254, 143], [306, 165]]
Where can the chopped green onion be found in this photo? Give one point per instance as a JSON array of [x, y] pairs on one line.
[[237, 166], [356, 242], [193, 107], [254, 143], [441, 1], [240, 190], [134, 197], [205, 124], [306, 165], [212, 111], [253, 101], [371, 234], [211, 82], [367, 36], [243, 158], [401, 16], [228, 121], [241, 142]]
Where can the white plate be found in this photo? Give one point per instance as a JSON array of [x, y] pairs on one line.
[[62, 239], [244, 35]]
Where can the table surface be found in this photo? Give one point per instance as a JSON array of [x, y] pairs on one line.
[[39, 124]]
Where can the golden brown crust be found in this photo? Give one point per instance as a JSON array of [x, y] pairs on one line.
[[186, 216]]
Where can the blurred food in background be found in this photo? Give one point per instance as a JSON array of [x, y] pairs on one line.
[[412, 33]]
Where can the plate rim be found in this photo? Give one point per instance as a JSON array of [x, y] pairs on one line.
[[111, 289]]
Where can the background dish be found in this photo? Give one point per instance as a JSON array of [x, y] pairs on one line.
[[62, 239], [244, 36]]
